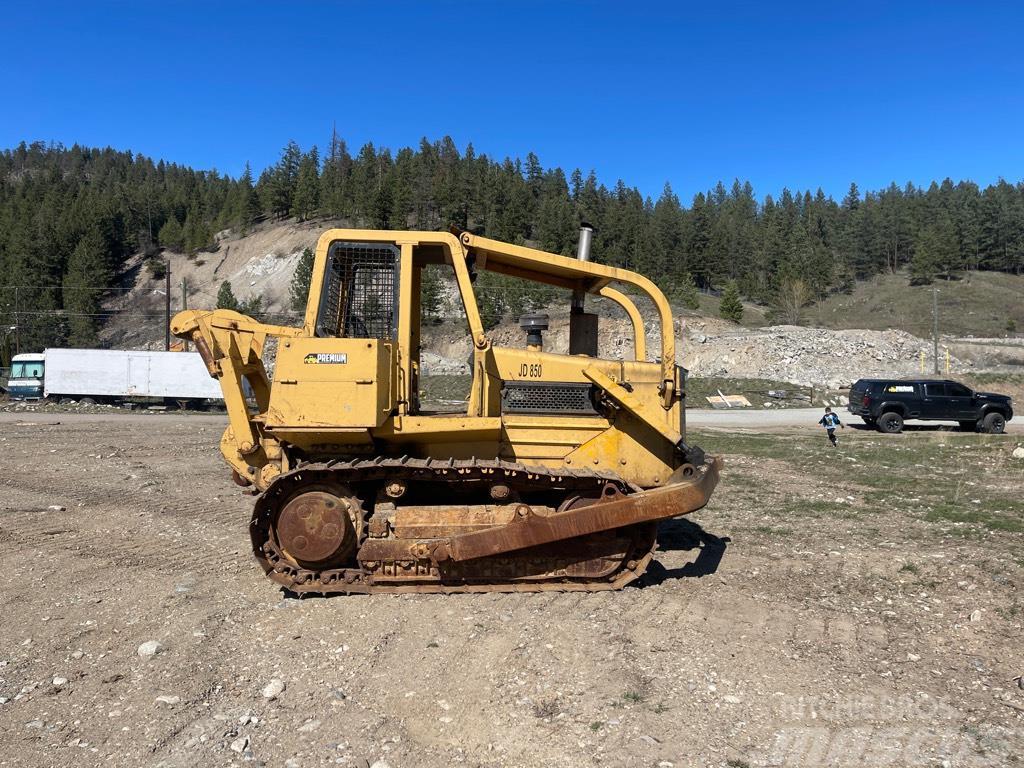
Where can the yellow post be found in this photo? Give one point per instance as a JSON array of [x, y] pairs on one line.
[[947, 361]]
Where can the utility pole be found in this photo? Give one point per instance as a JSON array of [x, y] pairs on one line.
[[149, 219], [167, 307], [184, 302], [935, 327], [17, 324]]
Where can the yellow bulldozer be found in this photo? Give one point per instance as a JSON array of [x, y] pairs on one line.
[[553, 477]]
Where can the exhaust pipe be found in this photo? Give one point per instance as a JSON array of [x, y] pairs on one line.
[[582, 254]]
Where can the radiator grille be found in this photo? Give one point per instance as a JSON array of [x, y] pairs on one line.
[[360, 291], [530, 397]]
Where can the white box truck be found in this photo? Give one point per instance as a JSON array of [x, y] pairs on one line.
[[113, 376]]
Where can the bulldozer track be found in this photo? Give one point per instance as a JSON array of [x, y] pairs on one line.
[[364, 472]]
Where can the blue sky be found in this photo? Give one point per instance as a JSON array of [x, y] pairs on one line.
[[797, 95]]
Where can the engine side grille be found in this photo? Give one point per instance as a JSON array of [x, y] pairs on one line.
[[556, 398]]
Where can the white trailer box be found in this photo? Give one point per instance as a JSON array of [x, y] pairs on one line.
[[127, 373]]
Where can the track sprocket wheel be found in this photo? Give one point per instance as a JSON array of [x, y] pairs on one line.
[[319, 527]]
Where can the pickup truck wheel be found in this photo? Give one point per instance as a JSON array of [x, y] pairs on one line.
[[890, 423], [968, 426], [994, 423]]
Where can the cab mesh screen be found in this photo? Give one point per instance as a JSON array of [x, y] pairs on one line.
[[360, 291]]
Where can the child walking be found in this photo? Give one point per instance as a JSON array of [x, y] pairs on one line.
[[830, 421]]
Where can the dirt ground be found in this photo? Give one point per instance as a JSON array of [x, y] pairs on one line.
[[859, 606]]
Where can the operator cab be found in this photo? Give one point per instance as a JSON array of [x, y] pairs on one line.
[[360, 291]]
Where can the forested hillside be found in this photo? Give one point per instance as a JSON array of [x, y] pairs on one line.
[[70, 216]]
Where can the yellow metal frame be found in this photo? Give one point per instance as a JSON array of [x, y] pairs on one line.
[[637, 436]]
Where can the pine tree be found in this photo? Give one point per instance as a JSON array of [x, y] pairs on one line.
[[282, 180], [686, 292], [307, 186], [449, 186], [302, 277], [196, 231], [171, 235], [251, 210], [731, 307], [335, 180], [430, 292], [936, 251], [87, 272], [699, 240], [666, 222], [226, 297], [554, 228], [252, 306], [402, 174]]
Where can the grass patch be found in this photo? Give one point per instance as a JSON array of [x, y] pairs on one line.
[[890, 301], [754, 444], [767, 530], [817, 508], [1010, 613], [755, 390], [546, 708], [931, 476], [596, 726], [992, 519], [910, 568], [633, 697]]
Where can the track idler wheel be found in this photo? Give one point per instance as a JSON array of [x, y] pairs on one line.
[[317, 529]]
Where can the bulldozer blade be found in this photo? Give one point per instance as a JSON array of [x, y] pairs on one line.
[[614, 510]]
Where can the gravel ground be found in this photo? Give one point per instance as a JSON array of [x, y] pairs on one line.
[[791, 622]]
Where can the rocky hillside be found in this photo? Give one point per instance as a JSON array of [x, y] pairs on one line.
[[711, 347], [261, 264]]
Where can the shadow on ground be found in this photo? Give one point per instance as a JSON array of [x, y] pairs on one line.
[[681, 534], [913, 428]]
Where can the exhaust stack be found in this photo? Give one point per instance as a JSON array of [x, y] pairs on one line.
[[582, 254], [582, 325]]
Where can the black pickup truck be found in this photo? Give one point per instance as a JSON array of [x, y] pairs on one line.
[[887, 403]]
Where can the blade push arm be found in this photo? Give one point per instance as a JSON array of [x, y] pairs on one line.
[[231, 346]]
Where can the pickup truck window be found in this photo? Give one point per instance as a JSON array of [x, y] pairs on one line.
[[935, 390], [957, 390]]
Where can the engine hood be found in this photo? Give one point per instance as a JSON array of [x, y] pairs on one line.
[[992, 396]]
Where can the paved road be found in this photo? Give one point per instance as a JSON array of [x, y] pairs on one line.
[[799, 417], [696, 418], [746, 417]]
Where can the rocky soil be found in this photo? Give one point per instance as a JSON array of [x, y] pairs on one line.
[[800, 619]]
